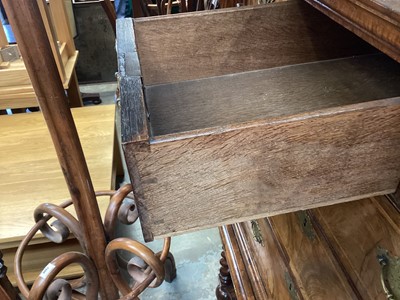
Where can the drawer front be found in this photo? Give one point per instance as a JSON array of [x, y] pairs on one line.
[[261, 169]]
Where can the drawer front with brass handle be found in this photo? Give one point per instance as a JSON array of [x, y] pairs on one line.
[[344, 251]]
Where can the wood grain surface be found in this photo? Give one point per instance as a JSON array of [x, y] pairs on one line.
[[375, 21], [134, 124], [61, 24], [204, 44], [231, 99], [269, 278], [128, 61], [355, 231], [229, 174], [330, 252], [29, 169], [314, 267]]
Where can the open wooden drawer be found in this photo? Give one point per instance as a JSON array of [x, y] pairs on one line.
[[243, 113]]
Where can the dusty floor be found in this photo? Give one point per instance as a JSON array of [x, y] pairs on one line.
[[196, 254]]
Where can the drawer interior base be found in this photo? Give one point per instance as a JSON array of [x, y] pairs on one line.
[[231, 99]]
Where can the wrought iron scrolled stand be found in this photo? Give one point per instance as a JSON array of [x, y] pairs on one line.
[[146, 268]]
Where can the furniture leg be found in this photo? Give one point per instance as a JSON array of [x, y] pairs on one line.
[[225, 289]]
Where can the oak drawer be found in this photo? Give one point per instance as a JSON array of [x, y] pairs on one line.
[[257, 116]]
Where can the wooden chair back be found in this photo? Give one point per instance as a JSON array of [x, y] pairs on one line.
[[15, 86]]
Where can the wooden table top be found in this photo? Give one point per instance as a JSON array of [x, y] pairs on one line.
[[29, 169]]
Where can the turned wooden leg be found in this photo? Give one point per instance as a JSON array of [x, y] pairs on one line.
[[225, 290]]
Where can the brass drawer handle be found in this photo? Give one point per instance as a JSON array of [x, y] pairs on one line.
[[257, 235], [384, 265], [390, 273]]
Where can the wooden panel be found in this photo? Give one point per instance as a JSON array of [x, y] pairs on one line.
[[22, 100], [134, 124], [231, 99], [265, 264], [376, 21], [17, 97], [16, 90], [225, 175], [314, 267], [356, 230], [32, 168], [198, 45], [38, 256], [14, 76]]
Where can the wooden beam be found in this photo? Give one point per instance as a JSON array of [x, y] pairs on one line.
[[61, 24], [52, 37], [42, 69]]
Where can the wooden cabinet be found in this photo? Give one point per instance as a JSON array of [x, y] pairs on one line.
[[332, 252], [344, 251], [245, 113]]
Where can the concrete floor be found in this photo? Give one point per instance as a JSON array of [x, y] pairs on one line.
[[196, 254]]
